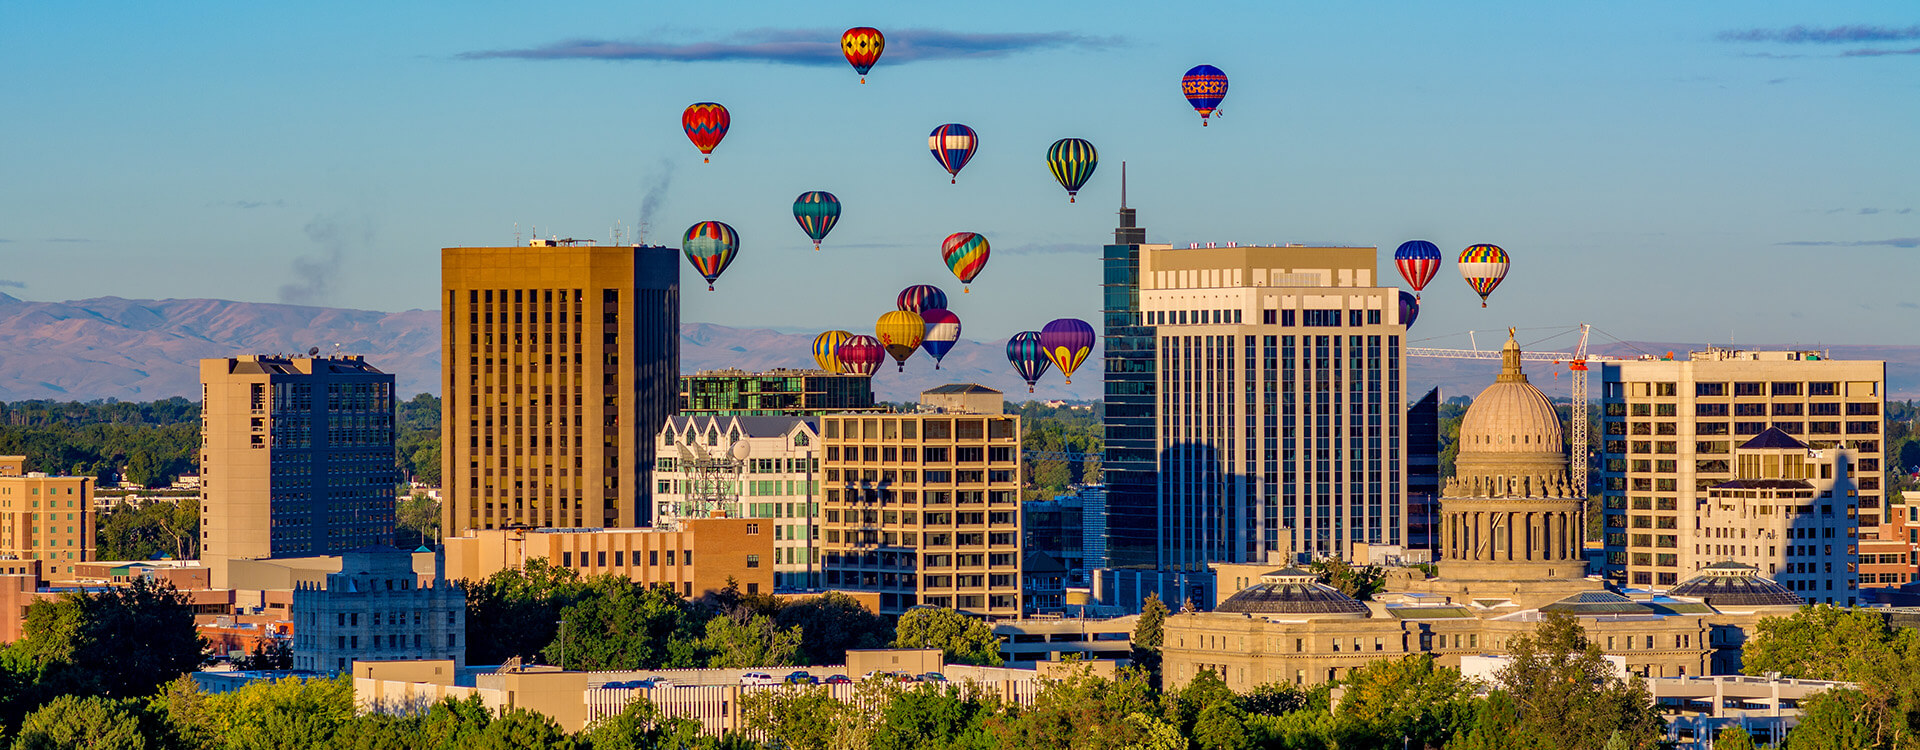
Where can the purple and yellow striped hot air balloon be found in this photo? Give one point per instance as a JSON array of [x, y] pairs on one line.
[[1484, 266], [1023, 351], [826, 350], [966, 254], [920, 298], [710, 247], [1067, 342]]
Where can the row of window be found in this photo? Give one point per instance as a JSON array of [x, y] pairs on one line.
[[1817, 388]]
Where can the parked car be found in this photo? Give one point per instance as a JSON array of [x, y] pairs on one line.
[[801, 678], [661, 682], [838, 679], [758, 678], [933, 677]]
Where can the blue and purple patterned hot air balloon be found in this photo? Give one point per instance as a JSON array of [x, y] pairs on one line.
[[1067, 342], [1023, 350]]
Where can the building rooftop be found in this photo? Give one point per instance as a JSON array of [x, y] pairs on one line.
[[760, 426], [1291, 592], [1598, 603], [1773, 438], [953, 388], [1731, 583]]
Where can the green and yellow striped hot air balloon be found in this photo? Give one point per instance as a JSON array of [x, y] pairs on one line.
[[1072, 161]]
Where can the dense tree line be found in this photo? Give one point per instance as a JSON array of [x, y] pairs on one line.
[[149, 444], [1060, 429], [160, 527]]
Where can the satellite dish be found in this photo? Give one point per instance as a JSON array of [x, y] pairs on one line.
[[313, 351], [741, 451]]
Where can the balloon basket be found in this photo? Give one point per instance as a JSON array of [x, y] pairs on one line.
[[954, 181], [709, 287], [1029, 389], [1070, 198], [707, 160], [966, 290], [863, 79]]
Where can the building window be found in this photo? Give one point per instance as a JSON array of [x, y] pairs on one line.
[[753, 561]]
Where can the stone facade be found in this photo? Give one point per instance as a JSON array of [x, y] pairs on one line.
[[376, 609]]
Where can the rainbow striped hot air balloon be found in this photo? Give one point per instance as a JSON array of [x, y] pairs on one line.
[[943, 329], [862, 45], [1483, 266], [1418, 261], [900, 332], [826, 350], [952, 145], [817, 211], [920, 298], [966, 255], [1072, 161], [1024, 352], [706, 123], [860, 355], [710, 247], [1204, 86], [1067, 342]]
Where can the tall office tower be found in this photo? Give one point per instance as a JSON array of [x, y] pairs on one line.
[[1281, 412], [1423, 473], [778, 392], [45, 518], [562, 364], [1669, 427], [1131, 464], [746, 467], [924, 508], [1788, 512], [296, 458]]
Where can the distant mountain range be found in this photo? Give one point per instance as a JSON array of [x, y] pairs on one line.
[[142, 350]]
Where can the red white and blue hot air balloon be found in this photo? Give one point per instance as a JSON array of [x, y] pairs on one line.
[[1418, 261], [943, 330], [952, 145]]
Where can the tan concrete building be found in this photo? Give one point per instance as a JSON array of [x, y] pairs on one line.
[[1669, 427], [747, 467], [696, 557], [46, 518], [562, 364], [377, 609], [964, 398], [296, 458], [1787, 512], [924, 508], [1511, 528]]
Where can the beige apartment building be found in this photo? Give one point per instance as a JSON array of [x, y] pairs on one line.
[[296, 458], [1669, 429], [561, 366], [694, 557], [924, 508], [45, 518], [764, 468], [1789, 513]]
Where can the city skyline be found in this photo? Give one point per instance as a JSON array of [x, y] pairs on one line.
[[1592, 144]]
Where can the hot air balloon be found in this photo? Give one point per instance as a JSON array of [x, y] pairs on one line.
[[710, 246], [826, 350], [943, 329], [921, 298], [900, 332], [860, 355], [1072, 161], [1409, 308], [1418, 260], [862, 46], [706, 123], [1483, 266], [952, 145], [817, 211], [1023, 350], [1067, 342], [966, 254], [1204, 86]]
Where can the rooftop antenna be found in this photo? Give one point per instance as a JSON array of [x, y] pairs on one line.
[[1123, 184], [516, 234]]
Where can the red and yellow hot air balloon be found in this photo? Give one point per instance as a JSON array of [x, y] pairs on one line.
[[900, 332], [706, 123], [862, 46]]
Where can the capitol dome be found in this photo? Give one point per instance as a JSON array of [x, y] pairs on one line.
[[1292, 592], [1511, 416]]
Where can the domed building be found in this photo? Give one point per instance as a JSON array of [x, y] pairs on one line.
[[1512, 532]]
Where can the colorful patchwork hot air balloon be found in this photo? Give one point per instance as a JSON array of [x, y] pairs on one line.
[[921, 298], [1409, 308], [1067, 342], [1204, 86], [826, 350], [862, 45], [860, 355], [900, 332], [1418, 260], [1072, 161], [1483, 266], [710, 246], [952, 145], [1023, 350], [817, 211], [943, 329], [966, 254], [706, 123]]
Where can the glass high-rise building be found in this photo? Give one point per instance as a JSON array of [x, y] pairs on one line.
[[1132, 515], [774, 393]]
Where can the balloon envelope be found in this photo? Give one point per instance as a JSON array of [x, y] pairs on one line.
[[1024, 352], [1409, 308], [943, 329], [920, 298], [1483, 266], [966, 254], [710, 247], [860, 355], [1067, 342], [1204, 86], [900, 332], [1418, 261], [1072, 161], [862, 45], [706, 123], [952, 145], [826, 348], [817, 211]]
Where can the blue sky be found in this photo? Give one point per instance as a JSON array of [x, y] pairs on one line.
[[1675, 172]]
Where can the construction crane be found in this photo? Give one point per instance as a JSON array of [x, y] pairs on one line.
[[1576, 361]]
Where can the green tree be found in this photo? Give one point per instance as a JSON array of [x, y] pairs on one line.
[[806, 718], [934, 717], [616, 624], [90, 722], [641, 726], [1148, 635], [1407, 700], [268, 654], [1564, 695], [1839, 720], [418, 520], [1078, 711], [1155, 734], [520, 729], [124, 642], [963, 639], [832, 623], [282, 714], [1734, 738], [1221, 726], [125, 532], [733, 642], [515, 613], [1359, 582], [1823, 642]]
